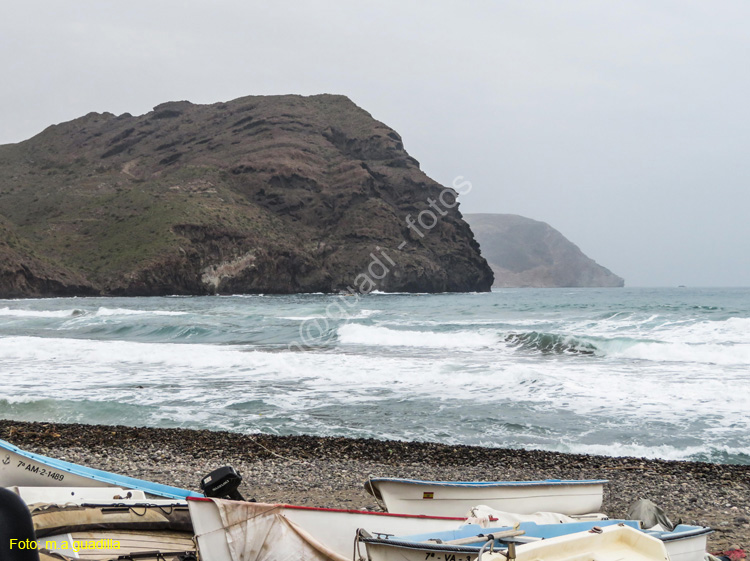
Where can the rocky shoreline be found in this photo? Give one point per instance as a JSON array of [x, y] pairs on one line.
[[329, 472]]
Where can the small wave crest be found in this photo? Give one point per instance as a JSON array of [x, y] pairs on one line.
[[356, 334], [103, 312], [707, 453], [9, 312], [550, 343]]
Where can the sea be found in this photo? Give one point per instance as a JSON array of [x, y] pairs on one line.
[[655, 373]]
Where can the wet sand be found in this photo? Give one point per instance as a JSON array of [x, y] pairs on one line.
[[329, 472]]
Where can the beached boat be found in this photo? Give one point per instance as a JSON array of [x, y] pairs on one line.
[[21, 468], [455, 498], [112, 531], [684, 543], [613, 543], [124, 529], [225, 529], [466, 542]]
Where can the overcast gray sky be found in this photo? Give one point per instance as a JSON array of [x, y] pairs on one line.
[[625, 125]]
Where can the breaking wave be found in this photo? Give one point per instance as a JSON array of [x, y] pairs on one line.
[[550, 343], [654, 350]]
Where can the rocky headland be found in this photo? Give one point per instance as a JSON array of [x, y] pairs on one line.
[[527, 253], [265, 194]]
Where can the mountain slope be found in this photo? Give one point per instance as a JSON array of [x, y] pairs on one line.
[[265, 194], [22, 273], [527, 253]]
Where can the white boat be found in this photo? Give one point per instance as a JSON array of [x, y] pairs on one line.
[[236, 530], [26, 469], [466, 542], [455, 498], [111, 531], [613, 543], [616, 542], [65, 495], [684, 543]]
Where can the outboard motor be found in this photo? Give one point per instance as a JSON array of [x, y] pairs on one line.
[[17, 539], [222, 483]]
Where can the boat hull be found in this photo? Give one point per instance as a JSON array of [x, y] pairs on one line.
[[64, 495], [408, 496], [26, 469], [334, 528], [443, 546], [684, 543], [612, 543]]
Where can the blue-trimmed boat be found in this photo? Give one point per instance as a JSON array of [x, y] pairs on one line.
[[457, 498], [684, 543], [26, 469]]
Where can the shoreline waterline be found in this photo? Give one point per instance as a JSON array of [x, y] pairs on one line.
[[330, 471]]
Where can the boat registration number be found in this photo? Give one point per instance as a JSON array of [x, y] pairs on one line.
[[40, 471], [433, 556]]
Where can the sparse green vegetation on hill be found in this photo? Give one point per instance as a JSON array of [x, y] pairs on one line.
[[273, 194]]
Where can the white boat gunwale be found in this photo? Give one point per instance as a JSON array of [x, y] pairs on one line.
[[684, 534], [374, 491], [491, 483]]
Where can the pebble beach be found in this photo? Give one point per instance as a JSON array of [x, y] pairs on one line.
[[329, 472]]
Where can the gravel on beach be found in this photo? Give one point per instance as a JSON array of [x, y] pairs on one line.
[[329, 472]]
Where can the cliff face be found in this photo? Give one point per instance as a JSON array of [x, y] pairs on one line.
[[22, 273], [272, 194], [527, 253]]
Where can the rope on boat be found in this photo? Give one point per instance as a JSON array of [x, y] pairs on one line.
[[375, 496], [357, 553]]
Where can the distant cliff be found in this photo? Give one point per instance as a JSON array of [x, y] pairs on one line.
[[267, 194], [528, 253]]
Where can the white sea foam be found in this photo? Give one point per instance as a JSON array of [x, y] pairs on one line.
[[732, 330], [664, 451], [357, 334], [362, 314], [76, 353], [675, 330], [38, 313], [686, 352], [103, 312], [336, 315]]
